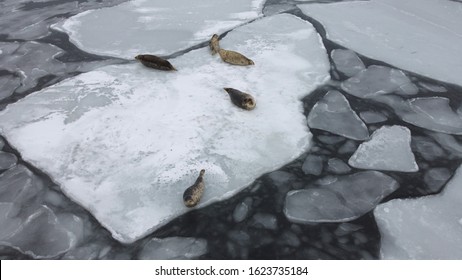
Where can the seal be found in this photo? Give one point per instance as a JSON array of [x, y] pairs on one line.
[[155, 62], [241, 99], [193, 194], [234, 58], [214, 44]]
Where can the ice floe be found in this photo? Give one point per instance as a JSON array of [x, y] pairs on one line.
[[156, 27], [32, 61], [334, 114], [379, 80], [432, 113], [313, 165], [337, 166], [173, 248], [435, 178], [340, 199], [7, 160], [30, 20], [427, 148], [347, 62], [388, 149], [125, 141], [423, 228], [28, 226], [371, 117], [422, 36]]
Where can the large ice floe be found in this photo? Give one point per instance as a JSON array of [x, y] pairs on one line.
[[423, 228], [422, 36], [334, 114], [388, 149], [159, 27], [339, 199], [125, 141]]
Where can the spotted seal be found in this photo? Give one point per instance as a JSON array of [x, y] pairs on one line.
[[234, 58], [214, 44], [193, 194], [155, 62], [241, 99]]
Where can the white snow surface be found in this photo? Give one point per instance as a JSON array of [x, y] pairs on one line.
[[422, 36], [388, 149], [423, 228], [126, 141], [156, 26]]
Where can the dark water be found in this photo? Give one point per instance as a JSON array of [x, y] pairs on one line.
[[250, 238]]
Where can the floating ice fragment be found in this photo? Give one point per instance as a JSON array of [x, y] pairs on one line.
[[422, 36], [337, 166], [448, 142], [432, 87], [347, 62], [334, 114], [7, 160], [264, 220], [388, 149], [423, 228], [242, 209], [379, 80], [344, 199], [8, 84], [371, 117], [427, 148], [433, 113], [173, 248], [435, 178], [155, 26], [313, 165], [125, 142]]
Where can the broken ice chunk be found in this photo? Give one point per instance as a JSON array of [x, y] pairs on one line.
[[427, 148], [8, 84], [173, 248], [242, 209], [155, 26], [337, 166], [388, 149], [423, 228], [433, 113], [313, 165], [422, 36], [334, 114], [347, 62], [371, 117], [264, 220], [7, 160], [344, 199], [435, 178], [379, 80], [126, 148]]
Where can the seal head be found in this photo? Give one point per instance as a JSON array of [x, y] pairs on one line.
[[214, 44]]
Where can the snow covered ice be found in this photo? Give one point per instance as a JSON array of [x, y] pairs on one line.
[[157, 27], [422, 36], [423, 228], [126, 148], [343, 198], [388, 149], [334, 114]]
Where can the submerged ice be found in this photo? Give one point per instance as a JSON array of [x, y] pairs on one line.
[[125, 141], [339, 199], [156, 27]]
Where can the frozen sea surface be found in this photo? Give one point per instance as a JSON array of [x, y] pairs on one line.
[[126, 148], [422, 36], [38, 221], [157, 27]]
